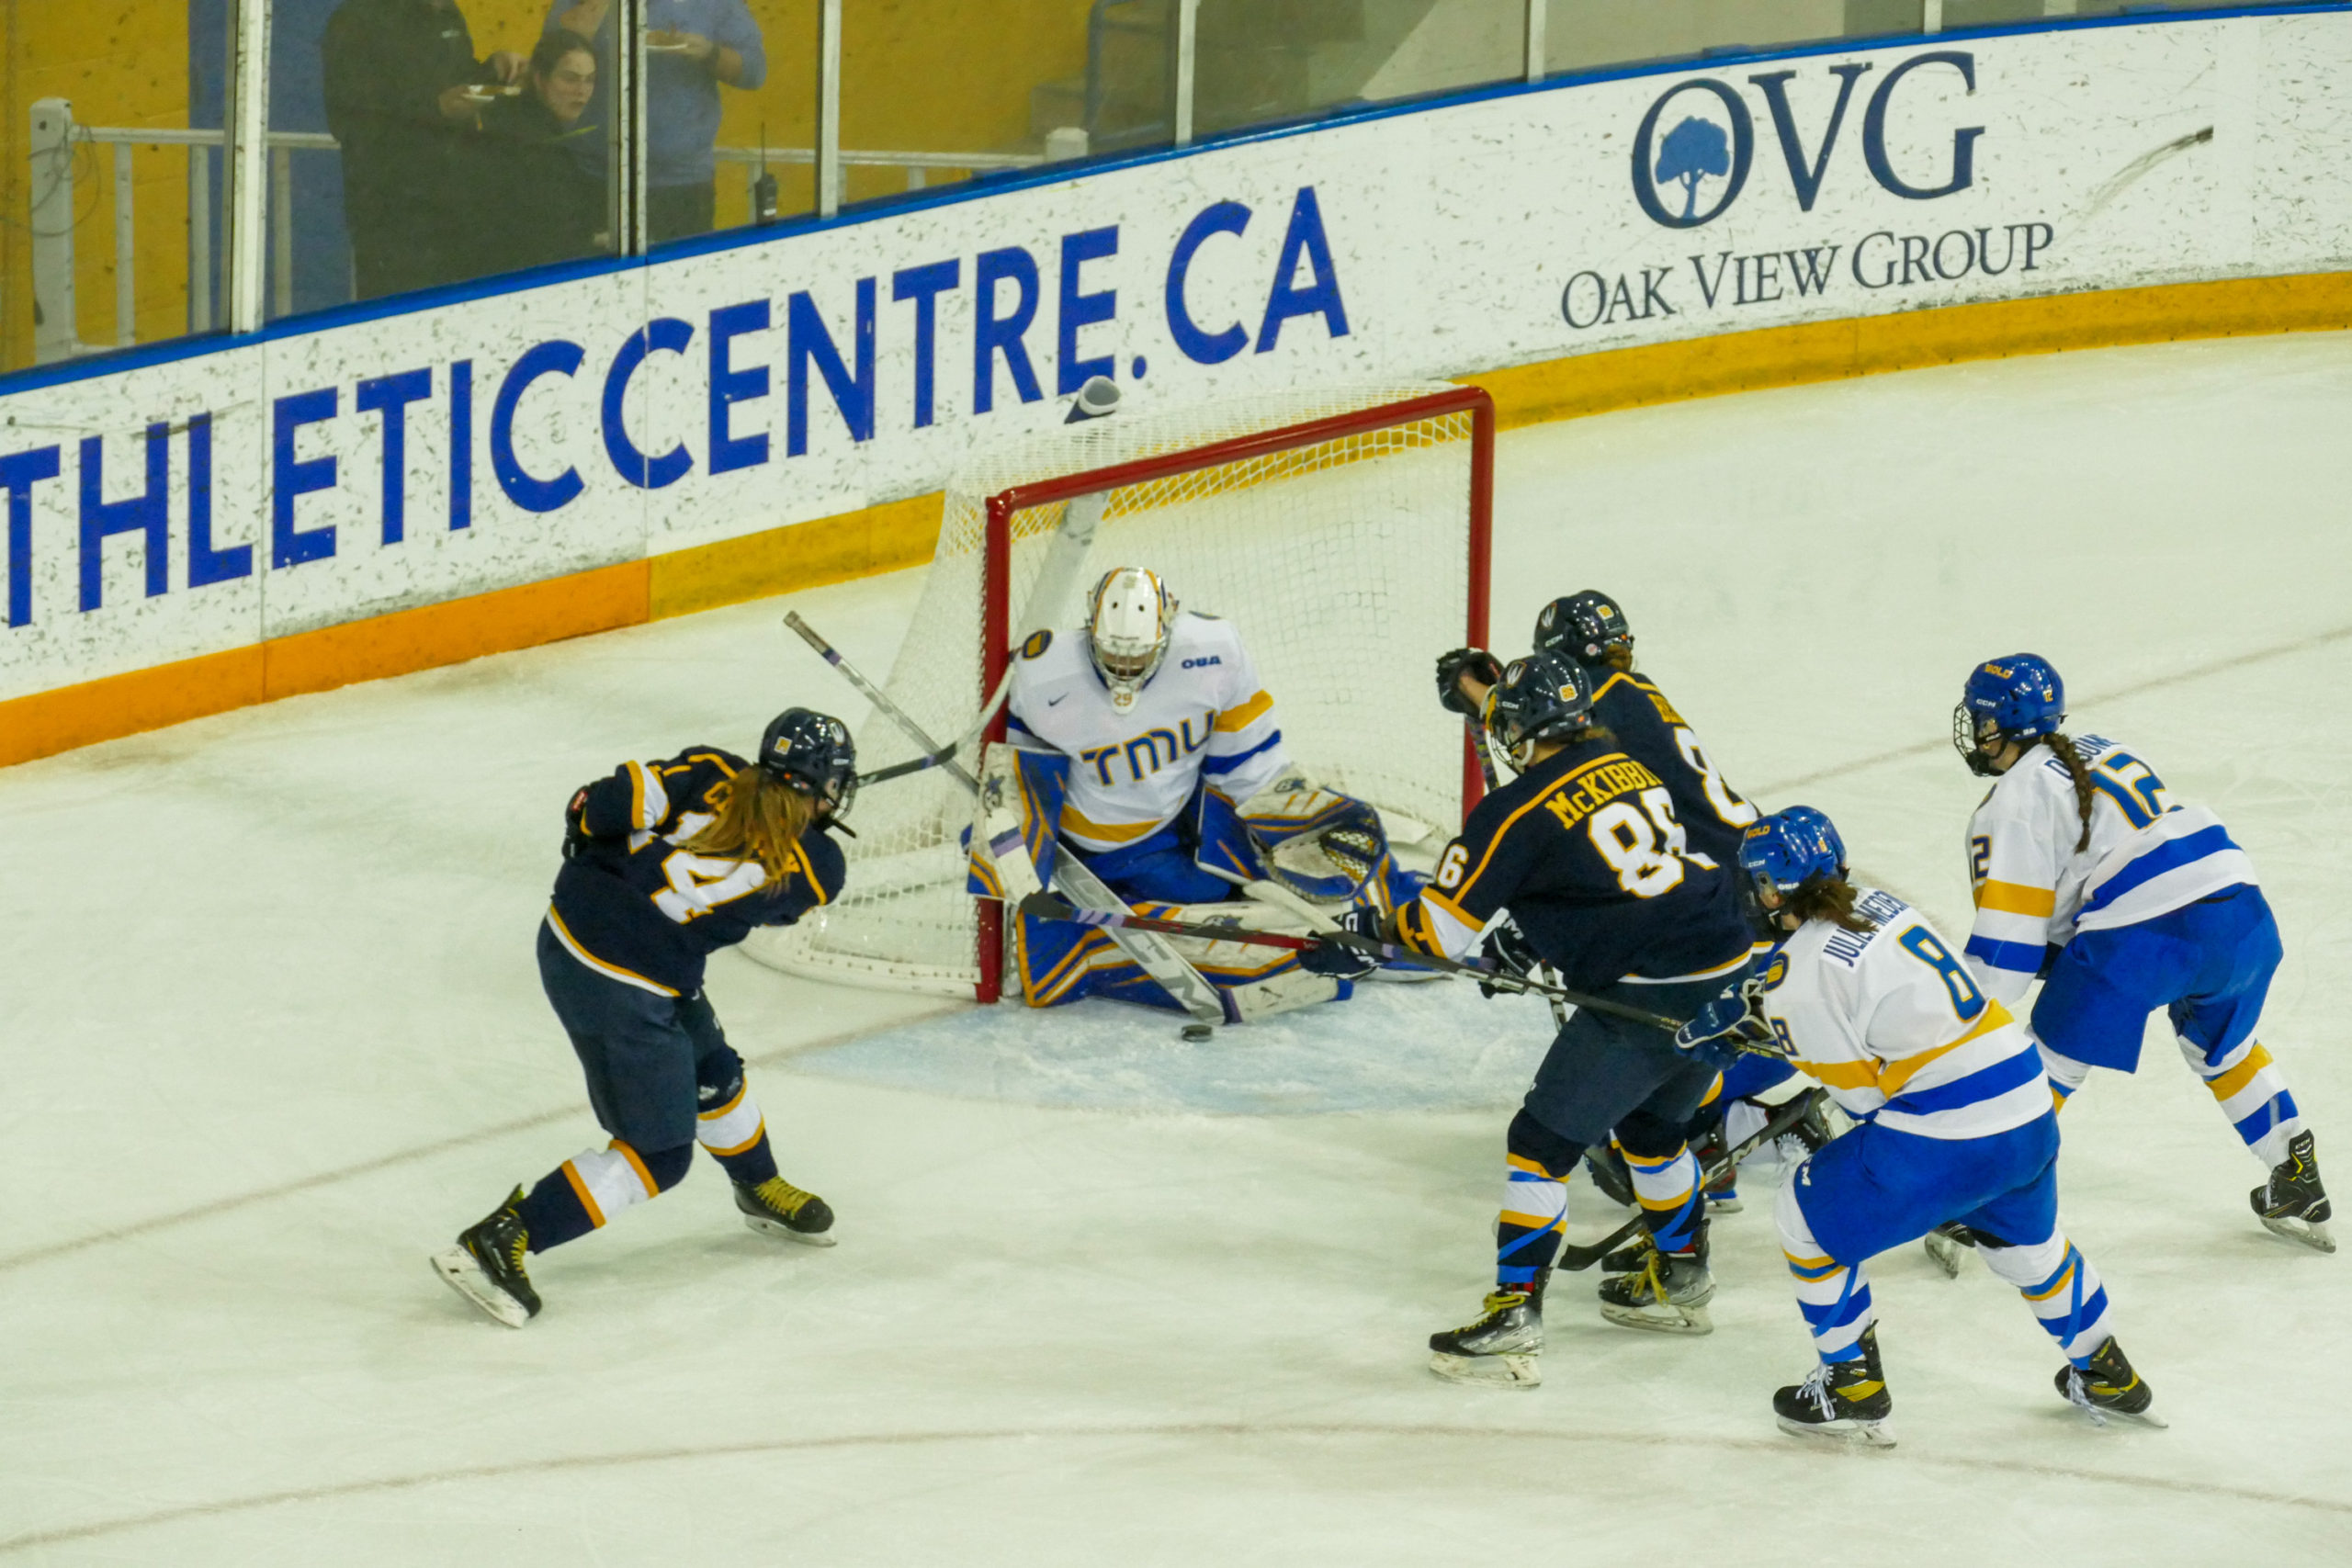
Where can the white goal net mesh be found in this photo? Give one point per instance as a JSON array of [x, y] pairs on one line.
[[1344, 563]]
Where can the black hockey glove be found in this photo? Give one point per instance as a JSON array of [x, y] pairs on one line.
[[1731, 1026], [576, 837], [1340, 961], [1477, 663], [1508, 949]]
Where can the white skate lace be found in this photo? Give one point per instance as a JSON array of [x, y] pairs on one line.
[[1817, 1388]]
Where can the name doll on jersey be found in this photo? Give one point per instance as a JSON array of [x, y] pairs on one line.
[[1149, 748]]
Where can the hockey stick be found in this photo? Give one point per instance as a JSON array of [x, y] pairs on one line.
[[1046, 907], [1191, 989], [1485, 758], [1576, 1259], [934, 754]]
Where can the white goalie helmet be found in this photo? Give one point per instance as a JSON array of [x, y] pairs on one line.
[[1126, 628]]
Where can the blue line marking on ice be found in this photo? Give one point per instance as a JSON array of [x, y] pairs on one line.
[[1392, 1047]]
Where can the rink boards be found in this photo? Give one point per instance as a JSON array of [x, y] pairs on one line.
[[202, 525]]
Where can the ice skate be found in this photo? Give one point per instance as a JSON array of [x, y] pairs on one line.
[[2292, 1203], [1500, 1350], [775, 1207], [486, 1266], [1843, 1402], [1948, 1245], [1668, 1293], [2109, 1387]]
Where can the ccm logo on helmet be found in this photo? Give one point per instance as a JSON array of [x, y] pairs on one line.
[[1200, 663]]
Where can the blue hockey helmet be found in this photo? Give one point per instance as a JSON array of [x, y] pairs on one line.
[[2019, 697], [1784, 851], [1544, 696], [1586, 626], [812, 753]]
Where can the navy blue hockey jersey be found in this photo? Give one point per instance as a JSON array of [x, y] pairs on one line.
[[632, 905], [1585, 851], [1712, 814]]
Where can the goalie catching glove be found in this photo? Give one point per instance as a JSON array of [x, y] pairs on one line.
[[1477, 663], [1339, 960], [1732, 1026]]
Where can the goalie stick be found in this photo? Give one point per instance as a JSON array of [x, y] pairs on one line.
[[1192, 990], [1784, 1118], [1046, 907]]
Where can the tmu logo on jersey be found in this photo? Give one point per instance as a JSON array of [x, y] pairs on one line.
[[1696, 155]]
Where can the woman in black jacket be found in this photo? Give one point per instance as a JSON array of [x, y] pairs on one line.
[[535, 202]]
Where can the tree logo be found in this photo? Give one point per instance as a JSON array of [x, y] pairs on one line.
[[1701, 147]]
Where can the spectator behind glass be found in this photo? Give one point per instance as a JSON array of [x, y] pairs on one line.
[[690, 47], [536, 202], [402, 89]]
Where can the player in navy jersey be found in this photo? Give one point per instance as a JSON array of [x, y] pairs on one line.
[[1590, 628], [1586, 854], [664, 864]]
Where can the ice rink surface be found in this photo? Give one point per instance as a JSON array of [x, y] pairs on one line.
[[272, 1032]]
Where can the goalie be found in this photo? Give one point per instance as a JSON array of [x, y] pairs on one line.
[[1143, 746]]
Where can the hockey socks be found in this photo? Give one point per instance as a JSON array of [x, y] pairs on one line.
[[2062, 1288], [1536, 1212], [2251, 1092], [730, 1125], [1667, 1187], [588, 1191], [1834, 1298]]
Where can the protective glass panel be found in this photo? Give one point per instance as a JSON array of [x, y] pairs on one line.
[[938, 91], [1262, 60], [416, 143], [731, 96], [110, 171], [1580, 34]]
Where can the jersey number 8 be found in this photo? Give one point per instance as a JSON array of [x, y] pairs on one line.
[[1645, 846]]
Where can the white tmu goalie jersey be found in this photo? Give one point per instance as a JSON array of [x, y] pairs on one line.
[[1890, 1022], [1203, 716], [2148, 856]]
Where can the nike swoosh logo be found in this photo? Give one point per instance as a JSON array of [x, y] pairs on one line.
[[1054, 702]]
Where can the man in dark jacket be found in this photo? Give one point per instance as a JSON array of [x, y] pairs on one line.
[[402, 90]]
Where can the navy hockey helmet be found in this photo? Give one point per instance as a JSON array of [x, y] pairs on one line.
[[1544, 696], [1586, 626], [2016, 698], [812, 753], [1784, 851]]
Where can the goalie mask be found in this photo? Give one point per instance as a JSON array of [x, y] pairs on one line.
[[1126, 628]]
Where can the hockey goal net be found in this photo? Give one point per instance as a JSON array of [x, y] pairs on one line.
[[1343, 532]]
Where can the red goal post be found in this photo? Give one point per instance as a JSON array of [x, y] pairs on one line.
[[1344, 529], [996, 582]]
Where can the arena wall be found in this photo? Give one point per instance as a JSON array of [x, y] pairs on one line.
[[199, 526]]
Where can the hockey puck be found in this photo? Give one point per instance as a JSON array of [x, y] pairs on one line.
[[1196, 1033]]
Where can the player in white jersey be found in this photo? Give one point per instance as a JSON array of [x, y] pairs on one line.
[[1955, 1125], [1149, 749], [2123, 900]]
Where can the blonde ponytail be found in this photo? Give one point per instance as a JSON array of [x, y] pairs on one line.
[[756, 817]]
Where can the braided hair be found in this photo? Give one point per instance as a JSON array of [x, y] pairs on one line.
[[1829, 899], [2085, 791]]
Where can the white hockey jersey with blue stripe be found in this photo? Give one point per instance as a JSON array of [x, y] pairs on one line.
[[1203, 715], [2148, 856], [1892, 1025]]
